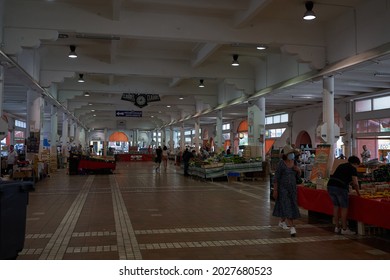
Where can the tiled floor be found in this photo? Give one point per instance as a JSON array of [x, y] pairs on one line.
[[137, 213]]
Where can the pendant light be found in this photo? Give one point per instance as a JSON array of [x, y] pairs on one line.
[[72, 53], [81, 78], [235, 60], [201, 84], [309, 14]]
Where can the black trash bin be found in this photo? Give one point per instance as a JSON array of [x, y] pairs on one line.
[[13, 207]]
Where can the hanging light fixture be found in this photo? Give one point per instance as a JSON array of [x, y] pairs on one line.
[[261, 47], [309, 14], [81, 78], [235, 60], [72, 53], [201, 84]]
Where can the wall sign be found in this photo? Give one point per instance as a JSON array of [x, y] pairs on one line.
[[131, 114]]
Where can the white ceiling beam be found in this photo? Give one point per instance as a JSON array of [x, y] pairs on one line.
[[243, 18]]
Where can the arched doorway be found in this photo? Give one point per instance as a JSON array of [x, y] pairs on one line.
[[303, 139], [118, 142]]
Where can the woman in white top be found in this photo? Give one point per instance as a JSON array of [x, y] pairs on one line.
[[11, 159]]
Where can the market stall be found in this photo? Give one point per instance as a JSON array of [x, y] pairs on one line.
[[211, 171], [79, 164], [369, 210]]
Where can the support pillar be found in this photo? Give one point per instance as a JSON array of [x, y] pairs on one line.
[[328, 115]]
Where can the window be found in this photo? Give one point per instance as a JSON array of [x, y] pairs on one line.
[[363, 105], [274, 133], [372, 104], [226, 126], [20, 123], [282, 118], [381, 103]]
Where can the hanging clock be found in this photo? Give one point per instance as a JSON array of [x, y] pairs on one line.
[[141, 100]]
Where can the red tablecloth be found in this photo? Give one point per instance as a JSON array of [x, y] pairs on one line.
[[369, 211], [135, 157], [95, 165]]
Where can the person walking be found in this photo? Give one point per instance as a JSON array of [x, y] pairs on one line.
[[285, 191], [366, 154], [158, 158], [165, 157], [338, 190], [11, 159]]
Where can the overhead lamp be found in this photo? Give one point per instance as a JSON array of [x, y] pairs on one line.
[[81, 78], [201, 84], [86, 94], [72, 53], [261, 47], [235, 60], [309, 14]]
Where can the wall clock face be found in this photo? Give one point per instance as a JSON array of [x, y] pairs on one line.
[[140, 100]]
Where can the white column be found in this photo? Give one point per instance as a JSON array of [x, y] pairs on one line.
[[171, 141], [256, 127], [328, 114], [65, 137], [182, 138], [105, 143], [218, 131], [54, 130], [197, 127]]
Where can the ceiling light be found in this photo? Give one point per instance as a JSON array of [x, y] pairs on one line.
[[235, 60], [309, 14], [201, 84], [81, 78], [261, 47], [168, 106], [86, 94], [72, 53], [181, 98]]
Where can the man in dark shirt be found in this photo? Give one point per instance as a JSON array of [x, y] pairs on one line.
[[158, 158], [338, 189], [187, 156]]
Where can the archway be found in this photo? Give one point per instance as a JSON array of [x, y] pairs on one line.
[[303, 139], [118, 142]]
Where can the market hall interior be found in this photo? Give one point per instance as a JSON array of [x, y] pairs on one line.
[[140, 214]]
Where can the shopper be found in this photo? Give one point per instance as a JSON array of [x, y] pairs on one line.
[[11, 159], [165, 157], [158, 158], [366, 154], [187, 156], [285, 191], [338, 189]]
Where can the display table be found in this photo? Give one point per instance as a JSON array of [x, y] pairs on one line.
[[363, 210], [86, 164], [224, 170]]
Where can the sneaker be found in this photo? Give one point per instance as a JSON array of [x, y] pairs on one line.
[[347, 232], [337, 230], [283, 225], [293, 232]]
